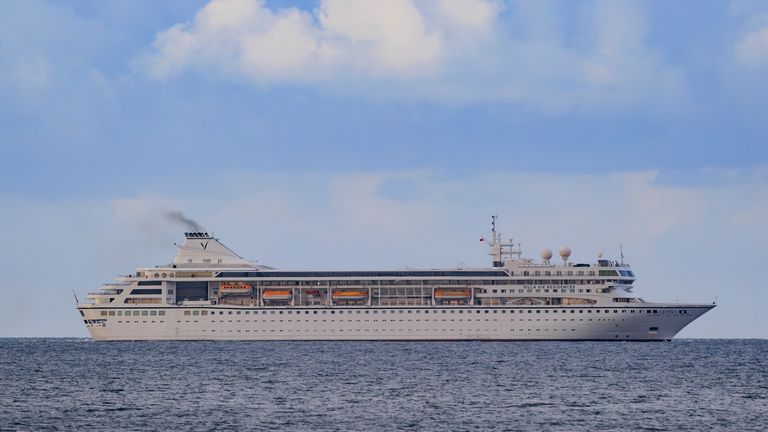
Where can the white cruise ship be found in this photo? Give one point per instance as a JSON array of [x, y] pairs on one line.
[[209, 292]]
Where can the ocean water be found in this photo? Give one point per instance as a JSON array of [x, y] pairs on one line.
[[76, 384]]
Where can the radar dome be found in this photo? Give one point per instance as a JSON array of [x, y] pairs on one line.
[[565, 252], [546, 254]]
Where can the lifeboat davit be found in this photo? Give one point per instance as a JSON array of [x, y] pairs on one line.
[[442, 293], [277, 295], [349, 295], [235, 287]]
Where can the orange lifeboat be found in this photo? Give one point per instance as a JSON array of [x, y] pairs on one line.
[[349, 295], [442, 293], [274, 294], [235, 287]]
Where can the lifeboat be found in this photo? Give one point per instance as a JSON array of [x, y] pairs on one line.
[[277, 294], [442, 293], [349, 295], [235, 287]]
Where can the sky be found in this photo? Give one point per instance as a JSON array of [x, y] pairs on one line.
[[355, 134]]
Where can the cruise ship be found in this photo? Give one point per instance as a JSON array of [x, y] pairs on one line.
[[209, 292]]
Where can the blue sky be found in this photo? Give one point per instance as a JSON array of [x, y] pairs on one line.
[[306, 132]]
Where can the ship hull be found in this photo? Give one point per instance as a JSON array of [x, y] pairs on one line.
[[650, 322]]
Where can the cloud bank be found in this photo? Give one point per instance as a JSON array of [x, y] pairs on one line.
[[458, 51]]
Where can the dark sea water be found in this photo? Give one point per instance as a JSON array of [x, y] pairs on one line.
[[76, 384]]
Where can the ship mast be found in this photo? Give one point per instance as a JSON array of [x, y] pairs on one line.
[[500, 251]]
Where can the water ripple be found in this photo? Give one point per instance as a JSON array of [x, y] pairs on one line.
[[686, 385]]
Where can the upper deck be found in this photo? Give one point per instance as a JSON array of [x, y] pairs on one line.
[[205, 270]]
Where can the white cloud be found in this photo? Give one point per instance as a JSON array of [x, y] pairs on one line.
[[467, 15], [387, 38], [246, 37], [752, 48], [452, 50]]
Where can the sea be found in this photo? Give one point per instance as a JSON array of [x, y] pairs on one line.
[[683, 385]]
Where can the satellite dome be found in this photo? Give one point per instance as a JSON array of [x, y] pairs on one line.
[[565, 252], [546, 254]]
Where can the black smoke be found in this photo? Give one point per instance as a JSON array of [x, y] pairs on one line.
[[178, 217]]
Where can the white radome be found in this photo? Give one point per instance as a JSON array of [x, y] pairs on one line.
[[565, 252], [546, 254]]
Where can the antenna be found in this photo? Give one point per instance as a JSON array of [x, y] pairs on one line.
[[621, 253], [493, 228]]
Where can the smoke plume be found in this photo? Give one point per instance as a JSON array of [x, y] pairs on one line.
[[177, 216]]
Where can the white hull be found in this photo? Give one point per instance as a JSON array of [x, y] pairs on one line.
[[445, 323], [194, 298]]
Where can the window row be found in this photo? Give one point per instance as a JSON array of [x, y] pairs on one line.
[[419, 311], [133, 313], [381, 311]]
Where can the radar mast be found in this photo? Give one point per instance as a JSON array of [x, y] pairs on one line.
[[500, 251]]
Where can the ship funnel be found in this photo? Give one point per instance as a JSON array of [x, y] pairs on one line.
[[202, 249]]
